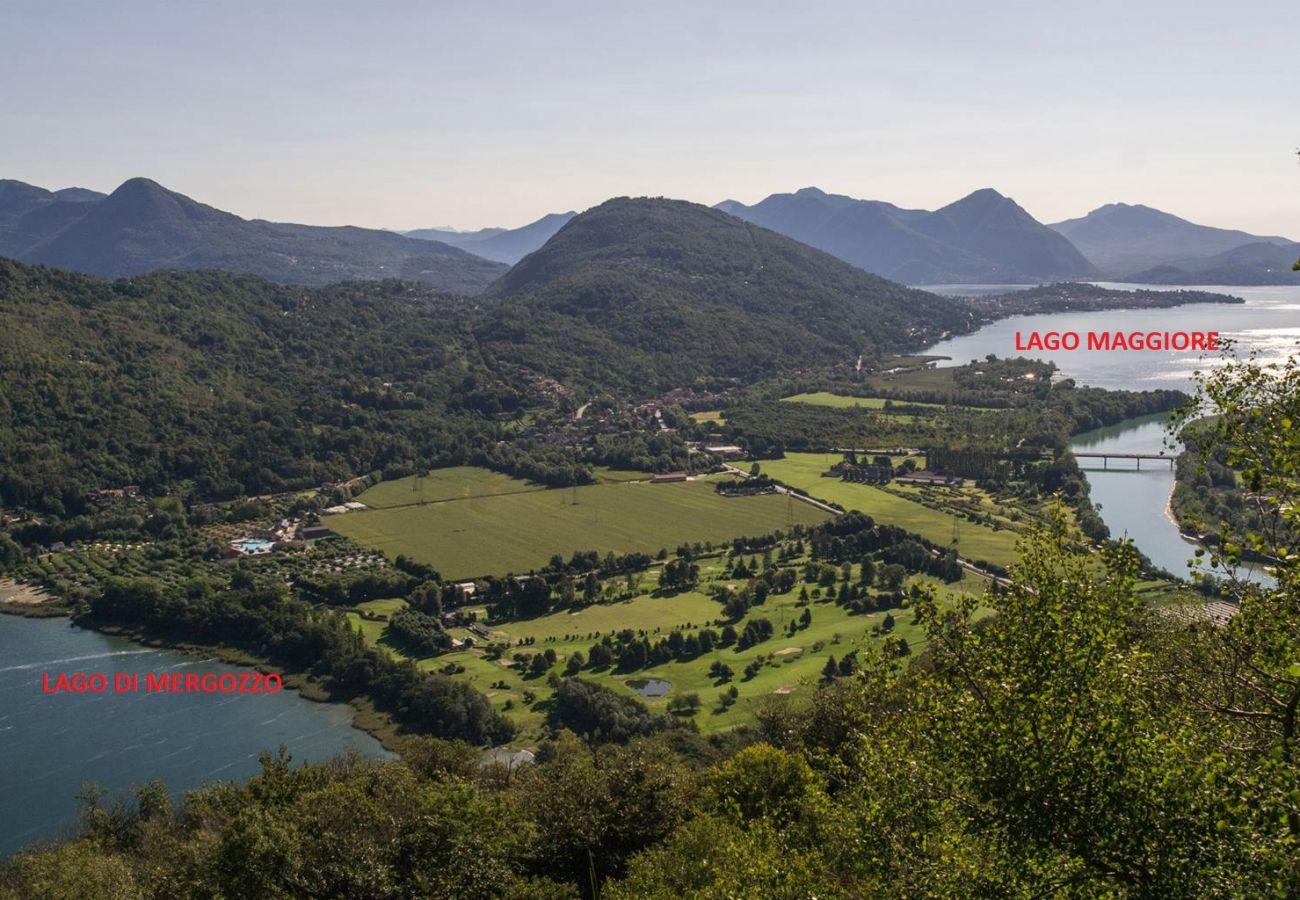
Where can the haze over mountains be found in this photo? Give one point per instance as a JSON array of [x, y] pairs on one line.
[[507, 245], [143, 227], [982, 238], [988, 238], [1145, 244]]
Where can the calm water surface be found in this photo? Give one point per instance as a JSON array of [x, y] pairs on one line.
[[50, 745], [1133, 502]]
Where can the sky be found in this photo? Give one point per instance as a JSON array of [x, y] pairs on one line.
[[405, 115]]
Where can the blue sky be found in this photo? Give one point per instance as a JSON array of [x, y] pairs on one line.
[[411, 114]]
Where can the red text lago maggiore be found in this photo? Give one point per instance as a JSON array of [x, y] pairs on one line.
[[1118, 340]]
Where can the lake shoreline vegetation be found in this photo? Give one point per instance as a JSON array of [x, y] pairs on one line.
[[1071, 688], [478, 540]]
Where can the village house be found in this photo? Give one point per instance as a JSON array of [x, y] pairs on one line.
[[860, 474]]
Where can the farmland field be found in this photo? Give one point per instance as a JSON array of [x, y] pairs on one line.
[[515, 531], [455, 483], [842, 401], [804, 471]]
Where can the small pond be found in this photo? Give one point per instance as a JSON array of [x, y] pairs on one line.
[[649, 687]]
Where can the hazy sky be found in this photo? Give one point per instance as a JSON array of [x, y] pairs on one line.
[[469, 114]]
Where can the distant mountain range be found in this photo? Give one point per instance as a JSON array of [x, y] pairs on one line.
[[982, 238], [1261, 262], [142, 227], [1138, 243], [506, 245]]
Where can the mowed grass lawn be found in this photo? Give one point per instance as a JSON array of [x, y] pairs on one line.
[[792, 669], [841, 401], [804, 470], [455, 483], [518, 531]]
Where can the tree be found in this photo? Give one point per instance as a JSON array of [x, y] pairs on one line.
[[1245, 678], [574, 663], [831, 670]]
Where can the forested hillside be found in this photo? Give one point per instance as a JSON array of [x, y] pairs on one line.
[[229, 385], [658, 286]]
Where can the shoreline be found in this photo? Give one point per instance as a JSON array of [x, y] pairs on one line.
[[364, 716]]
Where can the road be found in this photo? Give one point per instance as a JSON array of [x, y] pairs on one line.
[[836, 511]]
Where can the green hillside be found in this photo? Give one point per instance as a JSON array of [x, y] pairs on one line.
[[662, 292]]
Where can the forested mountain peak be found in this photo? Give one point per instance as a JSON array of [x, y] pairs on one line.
[[685, 290], [673, 237]]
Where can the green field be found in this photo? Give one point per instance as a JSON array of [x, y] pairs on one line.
[[793, 663], [841, 401], [455, 483], [605, 473], [804, 471], [516, 531]]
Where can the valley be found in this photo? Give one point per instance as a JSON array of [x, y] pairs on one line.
[[649, 452]]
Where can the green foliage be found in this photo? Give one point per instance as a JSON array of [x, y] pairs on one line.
[[266, 621], [421, 634], [663, 293], [223, 384], [601, 715]]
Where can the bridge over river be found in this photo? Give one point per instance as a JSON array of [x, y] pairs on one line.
[[1107, 457]]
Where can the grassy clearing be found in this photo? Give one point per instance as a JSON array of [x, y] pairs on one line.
[[711, 415], [605, 473], [804, 470], [842, 401], [516, 532], [928, 379], [792, 663], [455, 483]]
